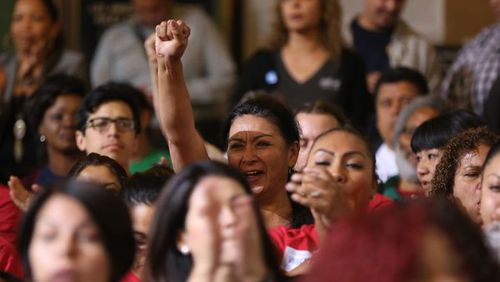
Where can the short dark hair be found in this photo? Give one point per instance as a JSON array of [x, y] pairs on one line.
[[110, 92], [145, 187], [94, 159], [436, 132], [164, 260], [326, 108], [267, 107], [46, 95], [108, 212], [400, 74]]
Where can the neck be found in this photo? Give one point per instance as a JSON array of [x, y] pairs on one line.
[[60, 163], [143, 148], [276, 209], [308, 41], [366, 23]]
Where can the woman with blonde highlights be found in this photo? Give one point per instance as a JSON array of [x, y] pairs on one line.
[[306, 61]]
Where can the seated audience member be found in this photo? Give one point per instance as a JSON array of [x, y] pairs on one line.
[[208, 68], [470, 79], [491, 114], [95, 243], [490, 192], [393, 91], [140, 194], [421, 241], [308, 61], [39, 52], [52, 110], [146, 154], [314, 119], [458, 173], [260, 134], [430, 138], [109, 123], [405, 184], [206, 225], [338, 180], [385, 40], [100, 170]]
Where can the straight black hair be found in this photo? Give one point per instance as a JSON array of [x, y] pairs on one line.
[[145, 187], [403, 74], [436, 132], [107, 211], [94, 159], [110, 92], [164, 261]]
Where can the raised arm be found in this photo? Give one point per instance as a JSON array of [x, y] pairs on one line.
[[171, 100]]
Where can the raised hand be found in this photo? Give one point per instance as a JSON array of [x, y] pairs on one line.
[[171, 39], [317, 189]]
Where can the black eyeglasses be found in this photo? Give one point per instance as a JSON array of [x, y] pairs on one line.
[[102, 124]]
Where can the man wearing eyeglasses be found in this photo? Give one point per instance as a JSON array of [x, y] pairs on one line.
[[108, 123]]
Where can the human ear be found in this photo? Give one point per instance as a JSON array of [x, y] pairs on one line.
[[80, 141]]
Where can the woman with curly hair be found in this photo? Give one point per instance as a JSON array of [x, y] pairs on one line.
[[307, 61], [458, 174]]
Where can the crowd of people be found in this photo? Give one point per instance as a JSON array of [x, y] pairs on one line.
[[345, 153]]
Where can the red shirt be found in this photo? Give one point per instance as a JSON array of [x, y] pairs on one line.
[[9, 260], [297, 245], [130, 277], [10, 216]]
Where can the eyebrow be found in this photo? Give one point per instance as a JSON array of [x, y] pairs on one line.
[[253, 139], [348, 154]]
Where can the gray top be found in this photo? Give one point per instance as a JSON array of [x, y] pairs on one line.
[[208, 67], [69, 62]]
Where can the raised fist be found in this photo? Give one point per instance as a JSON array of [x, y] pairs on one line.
[[171, 39]]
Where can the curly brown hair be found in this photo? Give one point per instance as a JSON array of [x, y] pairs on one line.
[[454, 151], [330, 26]]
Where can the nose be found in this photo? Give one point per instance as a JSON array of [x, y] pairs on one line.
[[337, 173], [249, 154], [113, 129], [67, 246], [422, 168], [227, 217]]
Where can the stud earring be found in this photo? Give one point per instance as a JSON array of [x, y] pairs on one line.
[[184, 250], [42, 138]]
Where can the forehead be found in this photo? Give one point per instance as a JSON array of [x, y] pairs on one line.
[[341, 142], [475, 157], [493, 165], [317, 122], [397, 89], [67, 99], [30, 5], [421, 115], [58, 207], [223, 189], [97, 174], [113, 109], [255, 124]]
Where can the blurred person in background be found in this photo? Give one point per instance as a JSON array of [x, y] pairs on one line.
[[307, 61], [208, 68], [384, 40]]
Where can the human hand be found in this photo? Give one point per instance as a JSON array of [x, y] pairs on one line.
[[19, 194], [205, 237], [171, 39], [149, 46], [319, 190]]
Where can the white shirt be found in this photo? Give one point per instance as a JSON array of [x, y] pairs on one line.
[[385, 158]]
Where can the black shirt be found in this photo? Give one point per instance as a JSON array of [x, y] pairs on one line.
[[372, 46]]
